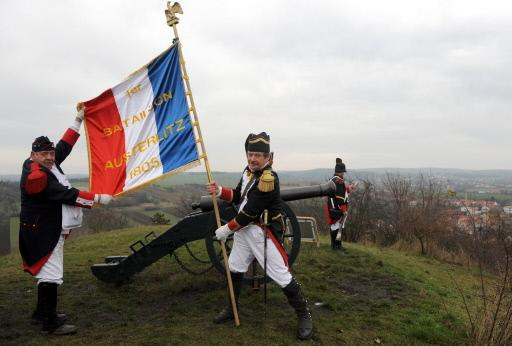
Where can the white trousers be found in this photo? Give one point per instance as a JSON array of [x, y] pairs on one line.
[[336, 227], [249, 243], [53, 270]]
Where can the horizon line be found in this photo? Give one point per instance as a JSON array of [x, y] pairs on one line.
[[324, 168]]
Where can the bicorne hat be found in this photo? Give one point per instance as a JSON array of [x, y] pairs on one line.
[[258, 143], [42, 143], [340, 166]]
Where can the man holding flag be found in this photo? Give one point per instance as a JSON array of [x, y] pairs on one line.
[[257, 191], [50, 209]]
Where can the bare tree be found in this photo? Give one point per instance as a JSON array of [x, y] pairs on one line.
[[424, 214], [490, 315], [361, 219], [399, 189]]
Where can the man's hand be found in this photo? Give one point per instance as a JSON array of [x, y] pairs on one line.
[[339, 180], [213, 188], [102, 198], [222, 233], [351, 187], [80, 116], [80, 108]]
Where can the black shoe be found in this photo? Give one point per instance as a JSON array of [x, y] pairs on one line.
[[38, 318], [52, 324], [338, 247], [305, 327], [225, 315], [64, 329]]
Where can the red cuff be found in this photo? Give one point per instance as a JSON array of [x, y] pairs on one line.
[[349, 189], [344, 208], [36, 180], [84, 199], [226, 194], [70, 136], [233, 225]]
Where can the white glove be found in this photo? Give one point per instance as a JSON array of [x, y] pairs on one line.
[[222, 233], [103, 198], [79, 117]]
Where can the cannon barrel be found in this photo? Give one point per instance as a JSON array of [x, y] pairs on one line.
[[289, 194]]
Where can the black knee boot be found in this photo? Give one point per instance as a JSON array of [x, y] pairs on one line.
[[333, 239], [38, 315], [338, 245], [51, 323], [296, 299], [227, 313]]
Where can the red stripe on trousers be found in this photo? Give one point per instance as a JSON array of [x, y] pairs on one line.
[[278, 245], [106, 144]]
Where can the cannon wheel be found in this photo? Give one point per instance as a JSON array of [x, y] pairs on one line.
[[254, 276]]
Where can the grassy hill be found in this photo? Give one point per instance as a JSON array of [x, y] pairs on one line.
[[365, 297]]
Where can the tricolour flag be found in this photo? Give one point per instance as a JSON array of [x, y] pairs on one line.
[[140, 129]]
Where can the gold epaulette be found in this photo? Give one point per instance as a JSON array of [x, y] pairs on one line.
[[267, 181]]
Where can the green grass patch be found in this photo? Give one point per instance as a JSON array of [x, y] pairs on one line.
[[14, 225], [356, 298]]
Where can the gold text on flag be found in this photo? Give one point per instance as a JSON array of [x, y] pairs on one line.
[[167, 132], [137, 118]]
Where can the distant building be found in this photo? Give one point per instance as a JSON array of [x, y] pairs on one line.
[[507, 209], [471, 210]]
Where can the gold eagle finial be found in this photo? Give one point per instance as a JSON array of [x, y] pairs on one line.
[[171, 11]]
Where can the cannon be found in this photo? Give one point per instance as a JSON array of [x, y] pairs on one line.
[[201, 224]]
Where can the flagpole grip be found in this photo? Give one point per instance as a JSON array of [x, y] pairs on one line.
[[172, 20]]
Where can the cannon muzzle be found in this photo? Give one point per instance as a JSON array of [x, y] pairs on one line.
[[289, 194]]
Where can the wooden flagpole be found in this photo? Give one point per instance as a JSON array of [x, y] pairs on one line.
[[172, 20]]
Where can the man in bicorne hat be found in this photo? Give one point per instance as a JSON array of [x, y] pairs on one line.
[[50, 209], [337, 206], [258, 190]]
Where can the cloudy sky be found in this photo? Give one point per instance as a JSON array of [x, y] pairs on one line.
[[378, 83]]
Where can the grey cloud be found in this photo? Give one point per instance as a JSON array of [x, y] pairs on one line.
[[385, 84]]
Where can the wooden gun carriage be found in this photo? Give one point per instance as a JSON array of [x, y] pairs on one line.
[[198, 225]]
